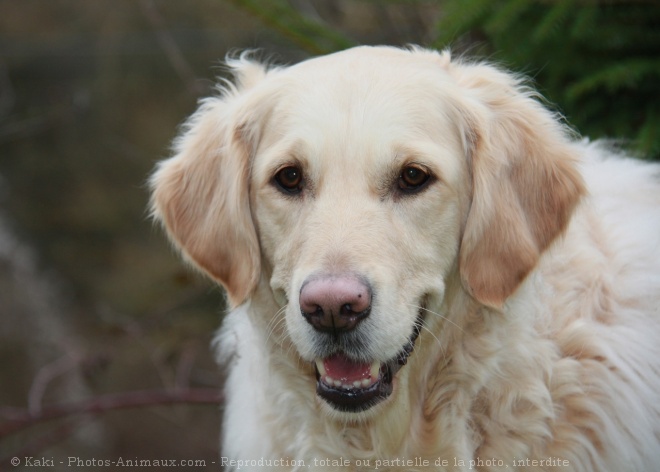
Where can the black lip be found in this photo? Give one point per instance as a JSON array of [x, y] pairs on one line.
[[354, 400]]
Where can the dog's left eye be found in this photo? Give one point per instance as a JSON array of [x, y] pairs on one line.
[[290, 179], [413, 178]]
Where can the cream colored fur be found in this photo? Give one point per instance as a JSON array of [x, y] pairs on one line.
[[537, 259]]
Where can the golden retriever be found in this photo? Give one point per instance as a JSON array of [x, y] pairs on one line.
[[426, 270]]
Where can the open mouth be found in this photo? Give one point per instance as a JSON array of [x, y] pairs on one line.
[[352, 386]]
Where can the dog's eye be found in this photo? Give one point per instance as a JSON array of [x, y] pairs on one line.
[[413, 178], [290, 179]]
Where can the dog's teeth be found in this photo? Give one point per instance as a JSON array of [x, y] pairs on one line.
[[320, 367], [362, 383], [375, 371]]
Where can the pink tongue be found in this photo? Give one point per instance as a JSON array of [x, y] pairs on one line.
[[339, 367]]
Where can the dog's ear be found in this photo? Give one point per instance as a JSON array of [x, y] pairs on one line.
[[201, 194], [525, 182]]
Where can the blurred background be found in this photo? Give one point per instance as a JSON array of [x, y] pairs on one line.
[[97, 314]]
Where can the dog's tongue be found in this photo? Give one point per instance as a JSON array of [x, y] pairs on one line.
[[342, 368]]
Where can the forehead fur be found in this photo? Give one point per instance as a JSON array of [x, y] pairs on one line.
[[361, 103], [364, 83]]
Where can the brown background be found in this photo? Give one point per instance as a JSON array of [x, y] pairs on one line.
[[93, 301]]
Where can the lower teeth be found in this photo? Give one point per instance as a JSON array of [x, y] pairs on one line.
[[364, 383]]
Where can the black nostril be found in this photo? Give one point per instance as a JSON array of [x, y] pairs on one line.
[[346, 310], [316, 313], [333, 322]]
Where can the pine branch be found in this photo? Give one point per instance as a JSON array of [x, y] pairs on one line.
[[613, 77], [313, 36]]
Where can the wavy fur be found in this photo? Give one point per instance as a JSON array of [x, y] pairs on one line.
[[535, 258]]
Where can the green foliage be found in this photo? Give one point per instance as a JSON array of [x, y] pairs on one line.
[[599, 61]]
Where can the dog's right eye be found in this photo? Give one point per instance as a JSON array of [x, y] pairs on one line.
[[289, 179], [413, 178]]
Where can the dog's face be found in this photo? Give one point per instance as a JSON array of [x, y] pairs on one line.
[[357, 198], [354, 186]]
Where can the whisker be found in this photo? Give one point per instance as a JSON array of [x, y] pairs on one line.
[[432, 334], [285, 344], [276, 321], [436, 314], [277, 336], [275, 317], [442, 347]]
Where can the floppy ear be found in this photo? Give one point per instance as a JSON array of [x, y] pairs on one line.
[[525, 183], [201, 194]]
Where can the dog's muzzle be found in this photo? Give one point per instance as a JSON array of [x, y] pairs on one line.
[[335, 305], [352, 386]]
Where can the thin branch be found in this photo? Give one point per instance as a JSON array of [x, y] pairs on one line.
[[34, 447], [44, 377], [110, 402], [7, 93], [185, 367], [171, 48]]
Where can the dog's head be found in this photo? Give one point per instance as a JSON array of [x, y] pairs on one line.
[[355, 187]]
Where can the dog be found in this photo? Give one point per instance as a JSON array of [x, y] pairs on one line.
[[426, 269]]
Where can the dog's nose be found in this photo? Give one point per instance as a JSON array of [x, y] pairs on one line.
[[335, 303]]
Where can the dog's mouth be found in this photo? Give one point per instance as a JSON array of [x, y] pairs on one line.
[[351, 386]]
